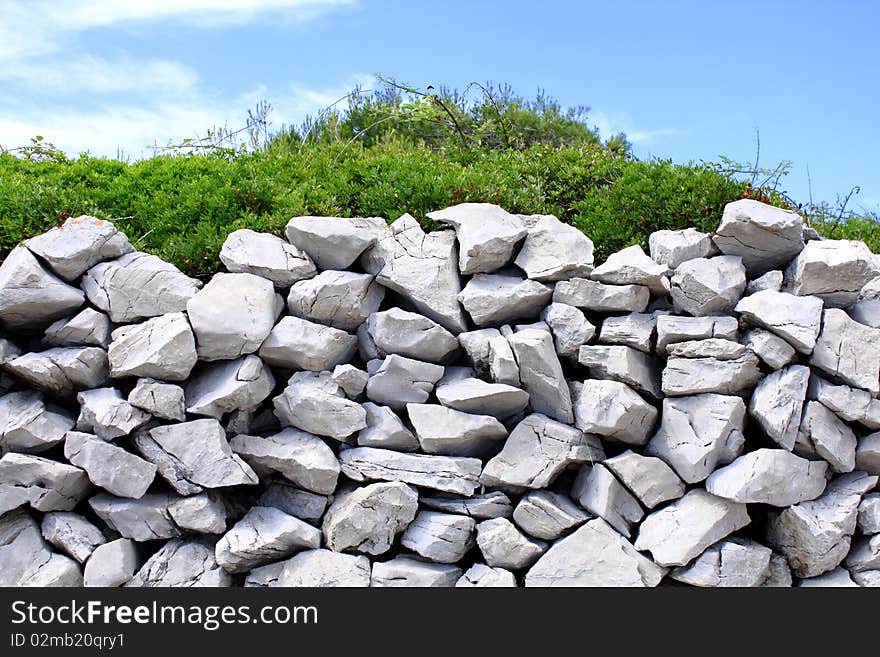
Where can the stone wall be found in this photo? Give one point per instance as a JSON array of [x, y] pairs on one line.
[[364, 404]]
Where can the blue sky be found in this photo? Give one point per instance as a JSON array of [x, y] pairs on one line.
[[685, 80]]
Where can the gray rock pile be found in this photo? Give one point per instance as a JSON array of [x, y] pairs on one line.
[[365, 404]]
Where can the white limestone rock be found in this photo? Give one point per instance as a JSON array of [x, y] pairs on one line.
[[472, 395], [849, 351], [625, 364], [594, 555], [143, 519], [332, 242], [26, 560], [30, 296], [109, 466], [504, 546], [77, 244], [541, 374], [477, 350], [764, 236], [796, 319], [632, 266], [29, 425], [396, 331], [488, 505], [614, 410], [487, 235], [62, 371], [225, 386], [772, 280], [537, 450], [823, 436], [205, 513], [340, 299], [673, 247], [162, 400], [167, 465], [547, 515], [648, 478], [777, 404], [770, 348], [71, 533], [440, 537], [369, 518], [769, 476], [398, 381], [708, 286], [850, 404], [107, 414], [316, 404], [677, 533], [863, 561], [869, 514], [815, 536], [138, 285], [263, 535], [442, 430], [733, 563], [482, 576], [503, 365], [352, 380], [717, 348], [868, 453], [866, 311], [300, 503], [232, 315], [322, 569], [570, 328], [636, 330], [248, 252], [555, 251], [43, 484], [601, 298], [698, 434], [600, 493], [444, 473], [182, 563], [693, 376], [385, 429], [411, 571], [492, 299], [112, 564], [296, 343], [160, 348], [837, 578], [300, 457], [87, 328], [672, 329], [833, 270]]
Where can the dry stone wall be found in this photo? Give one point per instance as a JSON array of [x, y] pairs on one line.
[[364, 404]]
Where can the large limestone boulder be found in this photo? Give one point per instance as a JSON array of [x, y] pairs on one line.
[[555, 251], [765, 237], [248, 252], [77, 244], [487, 235]]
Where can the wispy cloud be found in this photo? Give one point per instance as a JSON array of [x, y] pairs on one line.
[[612, 123]]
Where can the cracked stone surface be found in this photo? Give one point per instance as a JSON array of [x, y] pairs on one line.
[[570, 327], [632, 266], [636, 330], [297, 343], [444, 473], [482, 576], [504, 546], [107, 414], [294, 501], [869, 514], [25, 558], [822, 435], [87, 328], [772, 280], [541, 374], [162, 400], [225, 386], [396, 331], [248, 252], [849, 351], [795, 319], [182, 563], [340, 299], [693, 376], [72, 533], [322, 569], [770, 348], [764, 236], [708, 286], [397, 381], [29, 424], [492, 299], [109, 466], [547, 515], [598, 297], [487, 235], [769, 476], [161, 348], [332, 242], [868, 453], [777, 404], [62, 371], [833, 270], [600, 493], [673, 247], [77, 244], [648, 478], [489, 505], [369, 518], [440, 537], [316, 404], [555, 251], [472, 395], [385, 429], [43, 484], [613, 410], [442, 430], [112, 564], [411, 571], [625, 364], [264, 535], [672, 329], [731, 563], [143, 519]]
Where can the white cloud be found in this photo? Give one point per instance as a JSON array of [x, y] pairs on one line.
[[612, 123]]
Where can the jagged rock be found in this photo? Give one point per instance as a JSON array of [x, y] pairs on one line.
[[332, 242], [442, 430], [323, 568], [869, 514], [777, 404], [672, 329], [541, 374], [107, 414], [203, 453], [504, 546], [779, 575], [673, 247], [204, 513], [163, 348], [167, 466], [143, 519], [398, 381], [396, 331], [868, 453], [717, 348], [29, 425], [43, 484], [815, 536], [162, 400], [601, 298], [440, 537], [369, 518], [503, 366], [866, 312], [316, 404], [693, 376], [594, 555], [823, 436], [340, 299], [423, 269], [138, 285], [625, 364], [614, 410], [30, 296], [300, 503], [682, 530], [731, 563], [302, 458], [445, 473], [698, 434], [352, 380], [80, 242], [769, 476], [62, 371], [773, 350], [410, 571], [796, 319], [839, 577], [71, 533], [482, 576], [109, 466], [554, 251], [632, 266], [297, 343], [833, 270], [863, 561], [248, 252], [228, 386], [87, 328], [848, 350], [112, 564], [385, 429], [600, 493], [476, 347], [636, 330], [536, 451], [546, 515], [232, 315], [182, 563], [764, 236], [8, 351], [26, 560], [649, 478], [708, 286], [570, 328], [265, 534], [489, 505], [492, 299], [772, 280], [472, 395], [487, 235]]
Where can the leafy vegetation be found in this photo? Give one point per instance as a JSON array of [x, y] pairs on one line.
[[392, 151]]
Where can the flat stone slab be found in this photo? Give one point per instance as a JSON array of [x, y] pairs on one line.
[[769, 476]]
